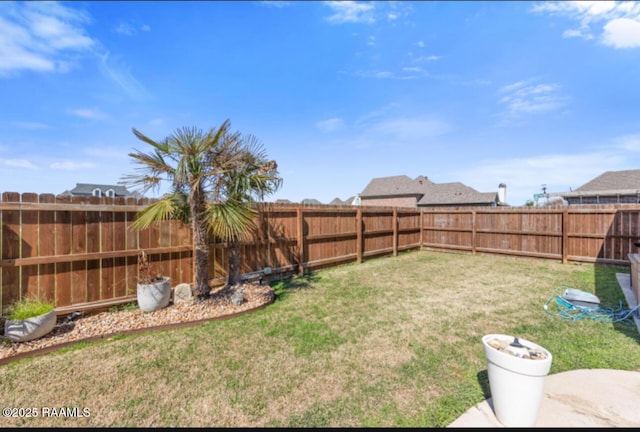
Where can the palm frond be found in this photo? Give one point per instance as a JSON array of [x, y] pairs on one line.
[[230, 220], [158, 211]]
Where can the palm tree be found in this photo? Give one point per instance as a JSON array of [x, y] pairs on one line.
[[199, 167], [252, 180]]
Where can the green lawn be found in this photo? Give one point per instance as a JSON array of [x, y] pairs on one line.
[[391, 342]]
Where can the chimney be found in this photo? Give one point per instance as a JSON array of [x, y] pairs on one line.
[[502, 193]]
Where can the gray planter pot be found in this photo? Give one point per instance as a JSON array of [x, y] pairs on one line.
[[152, 297], [30, 328]]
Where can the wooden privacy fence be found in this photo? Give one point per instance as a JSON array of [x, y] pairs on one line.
[[603, 234], [82, 253]]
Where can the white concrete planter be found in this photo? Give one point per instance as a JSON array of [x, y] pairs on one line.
[[30, 328], [517, 383], [154, 296]]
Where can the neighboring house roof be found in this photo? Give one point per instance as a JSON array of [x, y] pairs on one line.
[[338, 201], [310, 201], [88, 188], [626, 182], [613, 180], [455, 193], [283, 201], [395, 186], [426, 192]]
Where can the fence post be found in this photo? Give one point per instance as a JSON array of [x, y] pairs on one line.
[[565, 236], [395, 231], [421, 228], [473, 232], [359, 235], [300, 224]]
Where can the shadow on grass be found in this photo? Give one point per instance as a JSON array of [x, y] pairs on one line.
[[611, 296], [282, 288], [483, 380]]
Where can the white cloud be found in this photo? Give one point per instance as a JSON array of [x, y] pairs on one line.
[[350, 12], [70, 165], [525, 97], [30, 125], [621, 28], [622, 33], [629, 142], [129, 30], [524, 176], [420, 44], [330, 125], [576, 33], [37, 36], [122, 76], [19, 163], [88, 113], [125, 29], [275, 3], [403, 130]]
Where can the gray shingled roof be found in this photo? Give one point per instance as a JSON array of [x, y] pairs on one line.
[[395, 186], [613, 181], [87, 189], [338, 201], [455, 193], [310, 201], [427, 192]]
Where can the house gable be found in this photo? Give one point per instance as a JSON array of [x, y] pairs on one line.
[[610, 187]]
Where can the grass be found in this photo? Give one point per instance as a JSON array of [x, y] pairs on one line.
[[392, 342], [29, 308]]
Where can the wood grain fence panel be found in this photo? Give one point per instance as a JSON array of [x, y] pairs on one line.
[[63, 247], [93, 218], [186, 261], [174, 258], [133, 243], [47, 238], [281, 226], [378, 232], [107, 242], [10, 249], [29, 247], [79, 292], [119, 227]]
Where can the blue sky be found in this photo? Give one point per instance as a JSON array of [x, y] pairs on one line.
[[339, 93]]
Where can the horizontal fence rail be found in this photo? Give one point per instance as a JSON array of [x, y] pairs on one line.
[[82, 253]]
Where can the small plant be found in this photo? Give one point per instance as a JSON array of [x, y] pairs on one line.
[[28, 308], [145, 275]]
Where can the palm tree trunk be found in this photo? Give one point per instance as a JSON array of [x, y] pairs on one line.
[[234, 260], [200, 244]]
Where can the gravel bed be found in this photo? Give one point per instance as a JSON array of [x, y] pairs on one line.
[[114, 322]]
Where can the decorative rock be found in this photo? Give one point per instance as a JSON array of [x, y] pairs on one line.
[[183, 293], [516, 349], [237, 297]]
